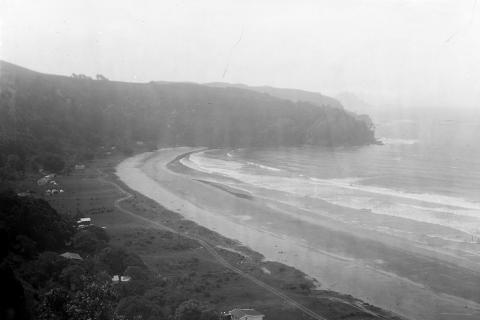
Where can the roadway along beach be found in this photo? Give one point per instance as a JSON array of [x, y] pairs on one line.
[[275, 230]]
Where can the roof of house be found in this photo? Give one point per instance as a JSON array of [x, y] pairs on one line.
[[71, 255], [245, 312], [117, 278]]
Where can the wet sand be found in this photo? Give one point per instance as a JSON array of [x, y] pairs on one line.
[[377, 270]]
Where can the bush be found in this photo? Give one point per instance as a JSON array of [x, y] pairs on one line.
[[156, 295], [137, 307], [137, 273], [12, 296], [94, 301], [87, 241], [118, 259], [29, 222], [52, 163], [194, 310], [47, 267]]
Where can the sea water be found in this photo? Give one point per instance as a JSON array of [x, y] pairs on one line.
[[427, 170]]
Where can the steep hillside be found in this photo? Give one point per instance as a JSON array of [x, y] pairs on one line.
[[47, 117], [294, 95], [315, 98]]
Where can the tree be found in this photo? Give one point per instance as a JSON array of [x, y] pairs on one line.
[[101, 78], [47, 267], [137, 273], [34, 219], [25, 246], [51, 162], [14, 162], [52, 305], [118, 259], [73, 276], [156, 295], [99, 233], [194, 310], [86, 241], [12, 295], [94, 301], [138, 308]]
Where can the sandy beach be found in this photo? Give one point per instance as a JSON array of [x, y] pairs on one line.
[[337, 257]]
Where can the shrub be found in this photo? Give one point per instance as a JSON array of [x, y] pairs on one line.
[[137, 307]]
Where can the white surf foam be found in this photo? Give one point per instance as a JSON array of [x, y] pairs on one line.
[[422, 207], [263, 166], [394, 141]]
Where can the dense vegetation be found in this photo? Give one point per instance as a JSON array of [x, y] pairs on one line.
[[51, 122], [38, 283]]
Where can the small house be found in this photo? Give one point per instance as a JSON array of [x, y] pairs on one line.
[[245, 314], [45, 179], [117, 279], [25, 193], [79, 167], [71, 256], [84, 222]]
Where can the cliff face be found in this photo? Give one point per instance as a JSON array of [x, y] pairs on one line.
[[314, 98], [42, 113]]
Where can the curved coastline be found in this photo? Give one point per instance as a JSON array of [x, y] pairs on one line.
[[159, 176]]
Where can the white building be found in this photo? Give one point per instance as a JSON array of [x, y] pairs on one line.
[[117, 279], [71, 256], [84, 222]]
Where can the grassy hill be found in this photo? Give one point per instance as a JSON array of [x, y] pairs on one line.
[[49, 119]]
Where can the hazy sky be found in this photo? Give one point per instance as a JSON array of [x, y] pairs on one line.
[[424, 52]]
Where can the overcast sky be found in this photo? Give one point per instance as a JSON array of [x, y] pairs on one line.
[[424, 52]]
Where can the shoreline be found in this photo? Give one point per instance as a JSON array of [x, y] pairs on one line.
[[196, 213]]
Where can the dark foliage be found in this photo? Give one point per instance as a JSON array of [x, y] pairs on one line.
[[28, 225], [194, 310], [117, 260], [137, 307], [92, 300], [12, 296]]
